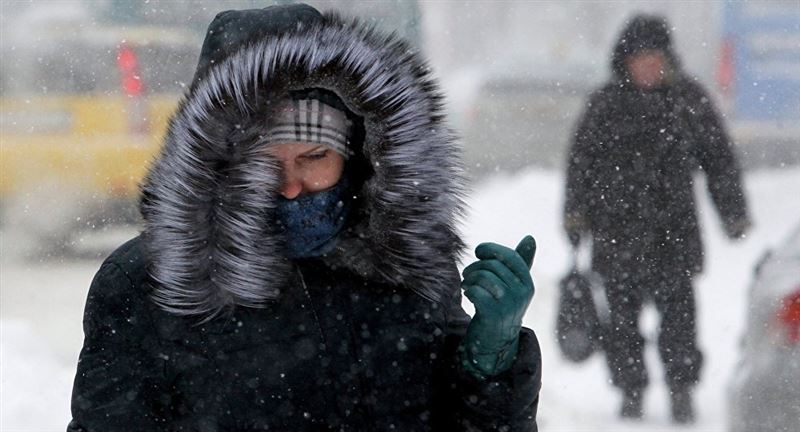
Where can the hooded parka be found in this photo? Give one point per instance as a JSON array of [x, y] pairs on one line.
[[630, 183], [202, 324]]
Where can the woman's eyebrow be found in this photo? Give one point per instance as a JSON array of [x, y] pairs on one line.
[[313, 150]]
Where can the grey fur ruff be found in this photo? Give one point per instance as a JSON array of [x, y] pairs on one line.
[[208, 197]]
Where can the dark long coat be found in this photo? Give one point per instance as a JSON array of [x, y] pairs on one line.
[[632, 168], [202, 324]]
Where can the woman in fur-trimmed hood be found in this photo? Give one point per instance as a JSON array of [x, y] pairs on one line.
[[297, 267]]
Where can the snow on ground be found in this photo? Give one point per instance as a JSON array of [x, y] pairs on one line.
[[41, 307]]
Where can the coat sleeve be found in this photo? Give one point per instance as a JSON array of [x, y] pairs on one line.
[[119, 384], [506, 402], [580, 158], [716, 155]]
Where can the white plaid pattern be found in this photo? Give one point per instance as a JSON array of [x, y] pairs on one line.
[[311, 121]]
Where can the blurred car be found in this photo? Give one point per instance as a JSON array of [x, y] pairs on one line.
[[516, 115], [765, 389], [81, 114]]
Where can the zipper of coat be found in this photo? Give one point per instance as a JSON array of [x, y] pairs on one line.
[[313, 309], [370, 413]]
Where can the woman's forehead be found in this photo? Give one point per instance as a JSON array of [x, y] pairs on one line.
[[294, 148]]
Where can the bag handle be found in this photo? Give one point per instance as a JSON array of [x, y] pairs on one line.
[[574, 256]]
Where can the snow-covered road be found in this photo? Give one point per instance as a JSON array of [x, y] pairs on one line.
[[41, 306]]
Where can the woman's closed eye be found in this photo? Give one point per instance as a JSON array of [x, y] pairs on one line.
[[321, 154]]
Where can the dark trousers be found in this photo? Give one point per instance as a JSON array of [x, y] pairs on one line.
[[673, 296]]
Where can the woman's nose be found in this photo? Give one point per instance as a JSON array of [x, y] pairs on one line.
[[292, 185]]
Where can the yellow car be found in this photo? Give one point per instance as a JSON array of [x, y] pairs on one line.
[[76, 136], [78, 141]]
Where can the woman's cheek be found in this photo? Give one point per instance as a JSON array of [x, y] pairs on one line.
[[323, 175]]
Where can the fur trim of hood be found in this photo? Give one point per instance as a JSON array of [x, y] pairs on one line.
[[208, 198]]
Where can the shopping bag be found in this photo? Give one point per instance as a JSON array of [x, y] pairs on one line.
[[582, 314]]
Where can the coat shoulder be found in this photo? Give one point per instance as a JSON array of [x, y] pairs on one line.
[[130, 260], [122, 275], [692, 89], [602, 97], [119, 308]]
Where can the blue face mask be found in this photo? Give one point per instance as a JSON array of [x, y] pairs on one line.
[[310, 223]]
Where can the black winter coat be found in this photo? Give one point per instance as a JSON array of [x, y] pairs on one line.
[[631, 171], [201, 324], [337, 352]]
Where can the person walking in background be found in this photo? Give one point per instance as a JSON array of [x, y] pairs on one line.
[[297, 267], [629, 187]]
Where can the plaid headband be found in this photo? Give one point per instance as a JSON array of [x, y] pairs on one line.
[[311, 121]]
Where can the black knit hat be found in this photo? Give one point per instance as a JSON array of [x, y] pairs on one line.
[[230, 30], [642, 32], [645, 32]]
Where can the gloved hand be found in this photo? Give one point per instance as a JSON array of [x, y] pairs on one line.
[[737, 229], [500, 286], [574, 225]]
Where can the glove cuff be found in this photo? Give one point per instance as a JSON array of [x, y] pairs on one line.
[[485, 364]]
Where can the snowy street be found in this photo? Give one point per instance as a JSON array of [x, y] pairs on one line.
[[42, 307]]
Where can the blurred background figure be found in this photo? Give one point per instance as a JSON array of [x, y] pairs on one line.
[[630, 188]]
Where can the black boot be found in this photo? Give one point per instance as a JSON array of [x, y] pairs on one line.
[[631, 404], [682, 410]]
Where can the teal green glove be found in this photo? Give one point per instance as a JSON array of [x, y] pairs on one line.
[[500, 286]]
